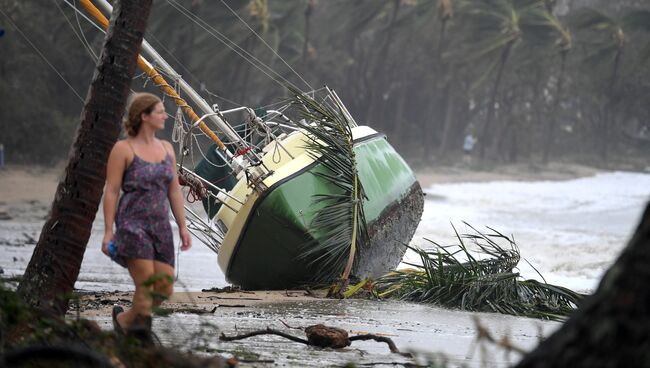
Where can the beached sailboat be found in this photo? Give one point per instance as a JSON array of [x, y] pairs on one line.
[[295, 195]]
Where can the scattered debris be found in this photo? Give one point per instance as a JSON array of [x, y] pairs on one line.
[[168, 311], [483, 335], [29, 239], [225, 289], [31, 338], [320, 336]]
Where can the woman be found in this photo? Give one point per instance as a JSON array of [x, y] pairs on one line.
[[144, 168]]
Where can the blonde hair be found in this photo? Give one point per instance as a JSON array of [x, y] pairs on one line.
[[139, 103]]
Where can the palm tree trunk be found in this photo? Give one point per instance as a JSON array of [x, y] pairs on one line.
[[443, 97], [447, 117], [441, 41], [609, 117], [305, 45], [550, 133], [484, 142], [53, 269], [377, 92]]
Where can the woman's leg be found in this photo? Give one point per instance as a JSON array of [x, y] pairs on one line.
[[164, 286], [141, 270]]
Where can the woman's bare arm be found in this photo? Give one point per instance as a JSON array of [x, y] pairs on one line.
[[117, 164], [176, 201]]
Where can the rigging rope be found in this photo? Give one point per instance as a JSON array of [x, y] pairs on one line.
[[267, 45], [178, 133], [87, 44], [81, 37], [74, 6], [41, 55], [211, 30], [150, 35]]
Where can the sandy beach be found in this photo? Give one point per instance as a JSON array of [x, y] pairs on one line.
[[38, 184]]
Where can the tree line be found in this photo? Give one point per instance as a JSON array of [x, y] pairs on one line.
[[531, 80]]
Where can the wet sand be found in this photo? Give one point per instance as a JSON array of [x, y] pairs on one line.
[[34, 183], [198, 319]]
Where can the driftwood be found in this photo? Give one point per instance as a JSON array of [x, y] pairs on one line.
[[320, 336]]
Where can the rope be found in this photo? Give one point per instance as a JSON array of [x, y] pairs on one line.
[[41, 55], [211, 30], [150, 35], [197, 191], [267, 45], [79, 12], [86, 44], [159, 44], [202, 154], [178, 133]]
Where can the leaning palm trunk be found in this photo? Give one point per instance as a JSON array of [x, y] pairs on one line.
[[485, 136], [54, 266], [490, 284], [550, 135], [610, 113]]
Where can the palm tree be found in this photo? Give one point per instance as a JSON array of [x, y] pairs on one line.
[[380, 70], [445, 16], [608, 41], [564, 44], [499, 24], [53, 269]]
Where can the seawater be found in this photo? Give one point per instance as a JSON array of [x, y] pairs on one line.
[[570, 231]]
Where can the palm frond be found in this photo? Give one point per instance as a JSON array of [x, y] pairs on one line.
[[591, 18], [340, 221], [637, 20], [487, 284]]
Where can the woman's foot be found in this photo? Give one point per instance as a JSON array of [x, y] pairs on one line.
[[140, 329], [117, 327]]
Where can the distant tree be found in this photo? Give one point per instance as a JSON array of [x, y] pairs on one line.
[[498, 26], [607, 40], [381, 74], [420, 70], [53, 269], [563, 44]]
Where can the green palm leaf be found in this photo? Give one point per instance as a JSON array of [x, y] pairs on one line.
[[341, 222], [487, 284]]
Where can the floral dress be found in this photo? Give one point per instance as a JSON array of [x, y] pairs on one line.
[[142, 220]]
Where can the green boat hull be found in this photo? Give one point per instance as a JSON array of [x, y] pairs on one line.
[[267, 253]]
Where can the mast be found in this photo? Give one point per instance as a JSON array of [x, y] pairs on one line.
[[214, 116], [185, 87]]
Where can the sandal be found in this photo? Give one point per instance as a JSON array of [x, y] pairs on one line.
[[116, 325]]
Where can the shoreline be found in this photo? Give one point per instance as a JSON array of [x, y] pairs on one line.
[[554, 171], [37, 184], [99, 304]]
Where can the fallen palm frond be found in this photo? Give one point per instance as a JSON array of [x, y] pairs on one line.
[[451, 276], [340, 221]]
